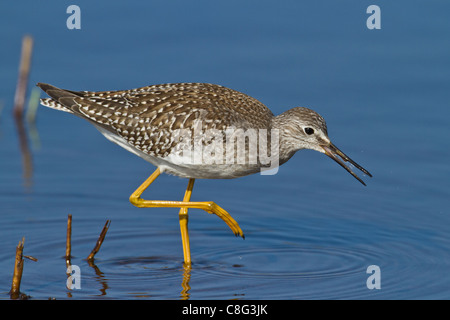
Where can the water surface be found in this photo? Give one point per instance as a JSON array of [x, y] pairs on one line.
[[311, 230]]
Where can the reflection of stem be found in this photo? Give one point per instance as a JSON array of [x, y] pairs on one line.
[[101, 277], [26, 154], [185, 283]]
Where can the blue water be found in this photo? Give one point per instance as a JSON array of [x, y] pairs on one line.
[[311, 230]]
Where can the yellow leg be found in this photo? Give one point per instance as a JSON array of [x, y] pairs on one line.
[[184, 218], [207, 206]]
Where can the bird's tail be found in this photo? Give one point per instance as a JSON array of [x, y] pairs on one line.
[[50, 103], [55, 94]]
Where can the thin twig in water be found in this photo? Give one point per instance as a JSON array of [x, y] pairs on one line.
[[18, 270], [99, 241], [68, 239]]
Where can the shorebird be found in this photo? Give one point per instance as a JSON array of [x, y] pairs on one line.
[[171, 126]]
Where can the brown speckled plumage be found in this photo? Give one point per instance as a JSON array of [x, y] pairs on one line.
[[146, 117], [147, 120]]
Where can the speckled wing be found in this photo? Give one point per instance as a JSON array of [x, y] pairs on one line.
[[147, 117]]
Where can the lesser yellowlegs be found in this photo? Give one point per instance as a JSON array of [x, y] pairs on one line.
[[190, 130]]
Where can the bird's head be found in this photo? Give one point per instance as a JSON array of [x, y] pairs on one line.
[[303, 128]]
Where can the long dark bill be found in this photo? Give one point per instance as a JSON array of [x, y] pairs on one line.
[[332, 151]]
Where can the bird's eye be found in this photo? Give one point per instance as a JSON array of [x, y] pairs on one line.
[[309, 131]]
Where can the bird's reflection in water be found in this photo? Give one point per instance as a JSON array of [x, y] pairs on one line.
[[184, 294], [103, 278]]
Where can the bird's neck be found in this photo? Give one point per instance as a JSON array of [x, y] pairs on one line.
[[281, 126]]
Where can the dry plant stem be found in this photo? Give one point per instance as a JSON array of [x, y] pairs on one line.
[[99, 241], [69, 237], [24, 70], [30, 258], [18, 269]]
